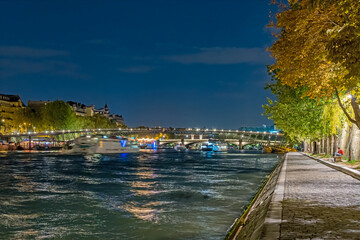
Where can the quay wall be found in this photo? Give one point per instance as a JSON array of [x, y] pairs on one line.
[[250, 224]]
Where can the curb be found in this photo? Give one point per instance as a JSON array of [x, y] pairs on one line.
[[273, 217], [353, 173]]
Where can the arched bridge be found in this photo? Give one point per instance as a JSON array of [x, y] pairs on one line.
[[168, 135]]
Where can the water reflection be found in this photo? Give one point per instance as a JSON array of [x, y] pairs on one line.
[[162, 196], [144, 186]]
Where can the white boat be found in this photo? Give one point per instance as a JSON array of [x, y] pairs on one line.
[[180, 148], [207, 147], [220, 147], [102, 145], [215, 147]]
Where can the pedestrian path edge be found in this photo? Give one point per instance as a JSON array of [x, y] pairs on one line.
[[355, 174], [273, 218]]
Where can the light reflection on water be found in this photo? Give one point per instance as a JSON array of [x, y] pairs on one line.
[[127, 196]]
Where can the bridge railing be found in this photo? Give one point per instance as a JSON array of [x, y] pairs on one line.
[[188, 131]]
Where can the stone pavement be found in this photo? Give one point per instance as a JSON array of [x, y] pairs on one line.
[[318, 202]]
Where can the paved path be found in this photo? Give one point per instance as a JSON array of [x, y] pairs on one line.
[[319, 202]]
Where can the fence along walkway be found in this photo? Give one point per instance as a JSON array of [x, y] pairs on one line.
[[319, 202]]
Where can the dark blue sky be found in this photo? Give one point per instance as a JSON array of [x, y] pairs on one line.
[[168, 63]]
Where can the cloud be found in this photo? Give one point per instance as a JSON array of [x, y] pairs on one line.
[[19, 60], [221, 55], [14, 67], [26, 52], [137, 69]]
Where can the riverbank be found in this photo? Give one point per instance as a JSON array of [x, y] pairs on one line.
[[312, 200], [250, 224]]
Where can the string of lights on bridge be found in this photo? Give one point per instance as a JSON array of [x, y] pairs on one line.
[[145, 130]]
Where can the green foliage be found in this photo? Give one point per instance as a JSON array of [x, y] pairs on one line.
[[25, 119], [319, 48], [57, 115], [299, 117], [99, 121]]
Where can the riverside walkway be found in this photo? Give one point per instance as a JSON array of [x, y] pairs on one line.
[[313, 201]]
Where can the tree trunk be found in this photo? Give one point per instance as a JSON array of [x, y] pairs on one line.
[[356, 108], [349, 144], [356, 143], [354, 105], [328, 145], [344, 137], [317, 147]]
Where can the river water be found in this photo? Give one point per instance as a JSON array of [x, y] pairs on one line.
[[127, 196]]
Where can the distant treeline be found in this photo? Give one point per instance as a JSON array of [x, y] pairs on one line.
[[57, 115]]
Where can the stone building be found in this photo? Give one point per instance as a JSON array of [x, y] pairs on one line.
[[8, 105], [118, 119], [81, 109], [103, 111]]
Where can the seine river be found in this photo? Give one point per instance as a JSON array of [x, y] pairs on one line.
[[128, 196]]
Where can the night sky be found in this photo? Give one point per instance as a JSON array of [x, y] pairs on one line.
[[167, 63]]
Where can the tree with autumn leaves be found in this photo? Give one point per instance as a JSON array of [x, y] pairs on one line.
[[317, 53]]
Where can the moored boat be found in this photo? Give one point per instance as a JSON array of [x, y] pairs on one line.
[[102, 145]]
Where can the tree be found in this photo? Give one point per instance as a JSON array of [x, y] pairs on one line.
[[319, 48], [57, 115], [25, 119], [298, 117], [99, 121]]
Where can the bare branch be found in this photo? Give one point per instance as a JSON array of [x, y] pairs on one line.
[[343, 108]]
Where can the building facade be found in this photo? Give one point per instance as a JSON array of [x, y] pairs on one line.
[[8, 105], [118, 119], [81, 109]]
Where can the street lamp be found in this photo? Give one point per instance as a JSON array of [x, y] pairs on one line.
[[3, 121]]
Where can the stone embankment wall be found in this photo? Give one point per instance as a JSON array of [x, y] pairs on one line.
[[250, 224], [348, 139]]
